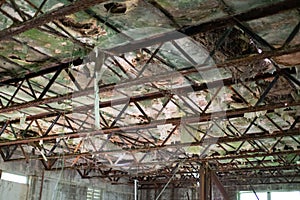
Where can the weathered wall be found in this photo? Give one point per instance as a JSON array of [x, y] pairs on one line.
[[182, 193], [233, 190], [168, 194], [11, 190], [57, 185], [67, 185]]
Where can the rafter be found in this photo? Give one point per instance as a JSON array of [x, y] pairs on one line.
[[252, 14], [48, 17]]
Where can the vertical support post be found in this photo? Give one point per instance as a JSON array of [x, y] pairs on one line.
[[269, 195], [205, 183], [219, 185], [135, 189], [99, 61], [42, 185], [202, 184], [173, 192], [97, 100], [208, 184]]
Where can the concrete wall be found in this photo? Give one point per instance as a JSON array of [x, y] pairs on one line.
[[169, 194], [233, 190], [182, 193], [10, 190], [57, 185], [68, 185]]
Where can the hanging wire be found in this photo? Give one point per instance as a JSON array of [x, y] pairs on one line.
[[174, 173], [62, 156]]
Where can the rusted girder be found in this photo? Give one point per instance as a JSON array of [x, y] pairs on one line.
[[48, 17], [211, 158], [47, 69], [143, 80], [262, 168], [193, 159], [162, 174], [188, 173], [245, 186], [240, 177], [163, 163], [196, 163], [137, 98], [252, 14], [175, 121], [262, 181]]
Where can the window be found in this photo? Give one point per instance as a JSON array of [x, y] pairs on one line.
[[93, 194], [285, 195], [271, 195], [14, 177], [251, 196]]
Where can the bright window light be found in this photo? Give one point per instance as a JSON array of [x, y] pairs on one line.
[[14, 177], [93, 194], [251, 196], [274, 195], [285, 195]]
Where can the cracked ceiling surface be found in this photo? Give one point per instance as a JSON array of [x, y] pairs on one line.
[[150, 88]]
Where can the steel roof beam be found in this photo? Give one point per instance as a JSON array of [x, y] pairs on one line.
[[220, 140], [137, 98], [142, 80], [252, 14], [48, 17]]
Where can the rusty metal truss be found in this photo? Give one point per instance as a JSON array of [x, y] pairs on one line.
[[165, 111]]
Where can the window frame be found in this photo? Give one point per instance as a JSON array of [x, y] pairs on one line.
[[264, 191], [14, 177]]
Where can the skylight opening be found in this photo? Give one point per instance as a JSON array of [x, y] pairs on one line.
[[14, 178]]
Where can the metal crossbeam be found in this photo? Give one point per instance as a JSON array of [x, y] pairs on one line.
[[132, 139], [104, 104], [252, 14], [175, 121], [48, 17], [140, 80]]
